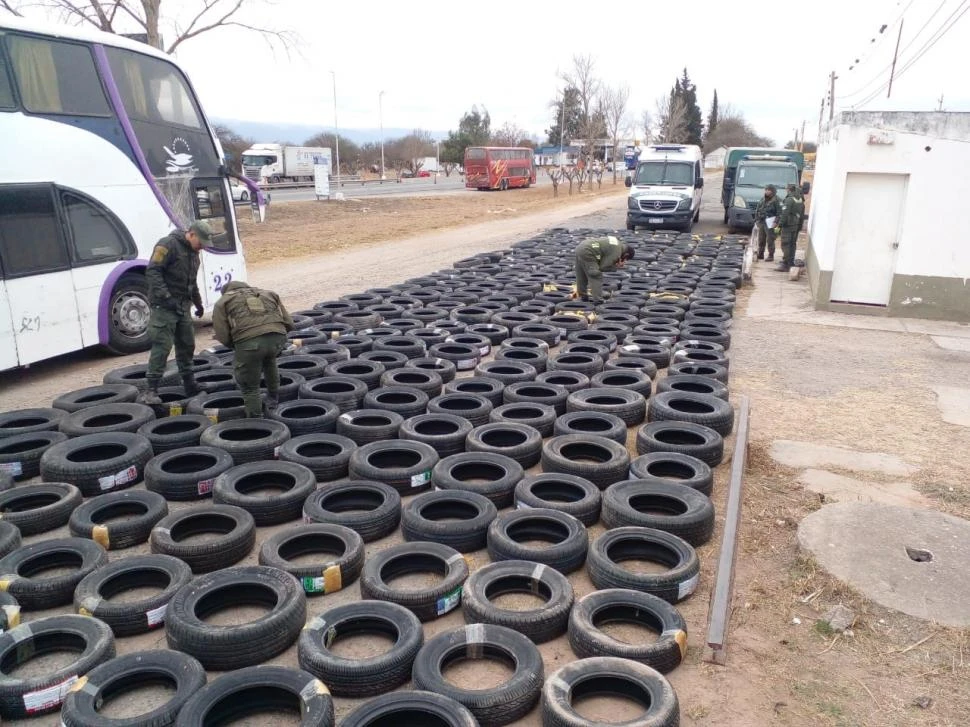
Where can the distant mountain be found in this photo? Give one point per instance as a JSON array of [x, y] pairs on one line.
[[298, 133]]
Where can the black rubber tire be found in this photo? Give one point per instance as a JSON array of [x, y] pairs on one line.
[[10, 540], [715, 371], [535, 358], [104, 418], [633, 543], [485, 386], [416, 557], [492, 331], [602, 338], [188, 473], [97, 463], [307, 416], [219, 406], [659, 354], [472, 407], [247, 440], [592, 423], [408, 345], [308, 366], [694, 440], [569, 380], [607, 676], [545, 332], [445, 433], [364, 677], [697, 344], [94, 395], [693, 332], [23, 421], [291, 483], [326, 455], [410, 709], [218, 379], [402, 400], [632, 363], [363, 426], [344, 391], [567, 537], [404, 465], [95, 593], [666, 506], [507, 371], [492, 475], [632, 380], [541, 417], [131, 671], [684, 406], [570, 494], [465, 357], [20, 453], [370, 509], [407, 376], [693, 383], [597, 459], [369, 372], [139, 511], [455, 518], [539, 624], [511, 439], [673, 468], [234, 647], [82, 555], [338, 551], [701, 357], [533, 392], [19, 697], [39, 508], [235, 526], [629, 406], [175, 432], [445, 369], [501, 704]]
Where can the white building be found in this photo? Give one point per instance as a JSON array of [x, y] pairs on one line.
[[715, 159], [887, 232]]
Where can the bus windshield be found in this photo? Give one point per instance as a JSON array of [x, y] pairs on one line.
[[665, 172], [761, 176]]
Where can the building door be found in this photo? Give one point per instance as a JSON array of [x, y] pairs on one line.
[[865, 253]]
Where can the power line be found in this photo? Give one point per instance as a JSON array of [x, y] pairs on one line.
[[875, 44]]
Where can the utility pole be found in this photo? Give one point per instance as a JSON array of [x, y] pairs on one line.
[[832, 78], [336, 128], [562, 127], [939, 106], [801, 138], [380, 114], [892, 70], [821, 112]]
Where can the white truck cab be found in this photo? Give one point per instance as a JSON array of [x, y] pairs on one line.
[[666, 188]]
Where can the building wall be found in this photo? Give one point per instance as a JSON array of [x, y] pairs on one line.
[[932, 266]]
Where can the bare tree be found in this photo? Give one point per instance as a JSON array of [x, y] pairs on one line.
[[646, 121], [613, 103], [672, 117], [588, 86], [121, 16], [555, 176], [410, 151], [508, 135]]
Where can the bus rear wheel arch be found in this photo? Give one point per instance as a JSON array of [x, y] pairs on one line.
[[129, 313]]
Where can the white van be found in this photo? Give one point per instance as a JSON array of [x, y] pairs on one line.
[[666, 188]]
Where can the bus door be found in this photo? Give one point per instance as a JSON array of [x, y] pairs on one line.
[[221, 263], [8, 346]]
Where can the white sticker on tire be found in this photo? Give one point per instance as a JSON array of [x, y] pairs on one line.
[[121, 478], [466, 364], [688, 587], [156, 616], [49, 697], [422, 478], [14, 469]]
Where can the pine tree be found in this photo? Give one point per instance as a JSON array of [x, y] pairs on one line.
[[712, 118], [695, 120]]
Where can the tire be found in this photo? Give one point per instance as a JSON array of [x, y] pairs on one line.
[[292, 484], [416, 557], [219, 406], [694, 384], [247, 440], [507, 371], [484, 386], [492, 475], [481, 342], [175, 432], [632, 380], [701, 357], [79, 399], [419, 708], [446, 370], [217, 379], [607, 676], [597, 459], [234, 647], [344, 391], [445, 433], [514, 440], [428, 382], [306, 365], [501, 704], [307, 416], [539, 624], [94, 595], [567, 535], [186, 474], [714, 371], [139, 510], [130, 310], [338, 551], [326, 455], [694, 440], [402, 400], [686, 406], [364, 426], [234, 526], [10, 540], [537, 393], [369, 372], [83, 556], [673, 468], [593, 423], [409, 345], [628, 405], [533, 357], [20, 453], [32, 696], [584, 363], [25, 421], [405, 465], [566, 493], [363, 677], [454, 518], [106, 418], [603, 338], [673, 508], [370, 509], [541, 417], [707, 335], [492, 331], [544, 332], [472, 407], [39, 508], [465, 357], [632, 543], [131, 671]]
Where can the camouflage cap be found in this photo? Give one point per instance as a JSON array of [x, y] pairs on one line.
[[772, 187], [791, 187], [204, 232]]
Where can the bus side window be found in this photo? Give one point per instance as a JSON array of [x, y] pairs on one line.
[[56, 78], [96, 237], [6, 90], [30, 241]]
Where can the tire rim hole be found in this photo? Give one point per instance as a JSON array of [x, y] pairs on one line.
[[537, 533], [393, 459], [24, 446], [140, 690], [265, 484], [371, 420], [693, 387], [657, 505], [97, 453], [119, 512], [186, 463], [107, 420], [353, 501], [308, 549], [609, 699], [563, 492], [50, 565], [448, 510], [605, 401], [313, 450], [248, 434], [418, 572], [134, 585], [474, 675], [460, 404], [223, 402], [581, 424], [518, 593], [478, 472], [304, 411], [585, 452], [688, 406], [264, 705], [167, 429], [30, 501], [363, 639], [202, 528], [436, 428], [503, 438], [679, 437], [24, 422], [236, 604], [641, 557], [628, 623], [42, 654], [397, 399]]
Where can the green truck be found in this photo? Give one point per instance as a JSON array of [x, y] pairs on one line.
[[747, 171]]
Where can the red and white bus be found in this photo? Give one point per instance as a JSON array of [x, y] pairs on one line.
[[499, 167]]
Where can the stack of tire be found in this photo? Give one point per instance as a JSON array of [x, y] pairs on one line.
[[474, 410]]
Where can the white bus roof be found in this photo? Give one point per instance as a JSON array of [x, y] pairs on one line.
[[84, 33]]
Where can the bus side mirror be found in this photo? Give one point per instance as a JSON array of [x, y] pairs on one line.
[[628, 182], [806, 187], [699, 183]]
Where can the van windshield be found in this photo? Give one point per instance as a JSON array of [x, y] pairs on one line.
[[762, 176], [665, 172]]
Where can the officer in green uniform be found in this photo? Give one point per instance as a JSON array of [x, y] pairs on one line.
[[767, 207], [789, 223], [172, 284], [253, 322], [593, 258]]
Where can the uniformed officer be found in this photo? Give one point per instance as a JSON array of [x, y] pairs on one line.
[[593, 258], [789, 223], [767, 207], [172, 284], [253, 322]]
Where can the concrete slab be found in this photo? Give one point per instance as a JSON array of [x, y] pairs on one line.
[[952, 343], [954, 404], [846, 489], [907, 559], [803, 455]]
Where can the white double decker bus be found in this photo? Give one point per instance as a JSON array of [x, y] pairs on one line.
[[104, 149]]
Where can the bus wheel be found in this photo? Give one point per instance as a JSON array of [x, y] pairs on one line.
[[129, 312], [244, 197], [504, 185]]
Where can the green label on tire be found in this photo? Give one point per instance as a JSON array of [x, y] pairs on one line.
[[448, 602]]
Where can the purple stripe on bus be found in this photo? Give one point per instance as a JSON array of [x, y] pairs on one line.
[[104, 300]]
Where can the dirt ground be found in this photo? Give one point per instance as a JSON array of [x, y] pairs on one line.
[[868, 390]]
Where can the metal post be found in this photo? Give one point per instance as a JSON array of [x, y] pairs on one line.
[[336, 128], [562, 127], [380, 113], [832, 78], [437, 159]]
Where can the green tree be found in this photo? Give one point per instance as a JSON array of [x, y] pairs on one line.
[[233, 145], [349, 150], [712, 116], [572, 123], [474, 129], [685, 90]]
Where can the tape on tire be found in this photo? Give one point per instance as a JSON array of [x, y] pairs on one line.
[[99, 534]]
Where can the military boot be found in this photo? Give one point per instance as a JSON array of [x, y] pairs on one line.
[[188, 384], [270, 404], [150, 396]]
